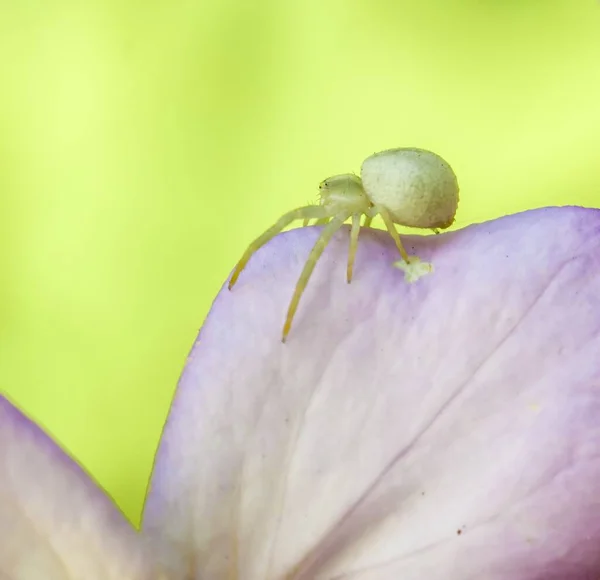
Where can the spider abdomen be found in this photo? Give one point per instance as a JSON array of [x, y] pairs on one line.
[[417, 187]]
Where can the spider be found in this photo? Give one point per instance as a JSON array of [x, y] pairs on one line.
[[406, 186]]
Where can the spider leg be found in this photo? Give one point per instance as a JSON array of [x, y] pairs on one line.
[[353, 245], [389, 224], [328, 231], [319, 222], [306, 212], [368, 220]]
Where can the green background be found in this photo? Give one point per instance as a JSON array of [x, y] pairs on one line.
[[144, 144]]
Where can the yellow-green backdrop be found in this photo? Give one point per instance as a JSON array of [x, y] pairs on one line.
[[144, 144]]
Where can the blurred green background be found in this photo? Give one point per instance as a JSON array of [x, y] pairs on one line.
[[144, 144]]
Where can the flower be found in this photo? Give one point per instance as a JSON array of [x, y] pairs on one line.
[[55, 522], [445, 429]]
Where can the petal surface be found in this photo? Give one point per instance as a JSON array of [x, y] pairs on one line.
[[55, 523], [446, 429]]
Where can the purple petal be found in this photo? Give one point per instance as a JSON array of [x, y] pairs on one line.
[[447, 429], [55, 523]]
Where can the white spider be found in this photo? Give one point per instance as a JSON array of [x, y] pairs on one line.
[[406, 186]]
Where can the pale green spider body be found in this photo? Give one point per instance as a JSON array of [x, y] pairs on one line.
[[417, 187], [407, 186]]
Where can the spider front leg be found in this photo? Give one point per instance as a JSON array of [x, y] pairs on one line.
[[307, 213], [354, 231], [333, 226], [319, 222]]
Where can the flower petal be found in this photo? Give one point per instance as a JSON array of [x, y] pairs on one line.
[[55, 523], [446, 429]]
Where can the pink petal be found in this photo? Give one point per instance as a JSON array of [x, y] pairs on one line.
[[55, 523], [444, 430]]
